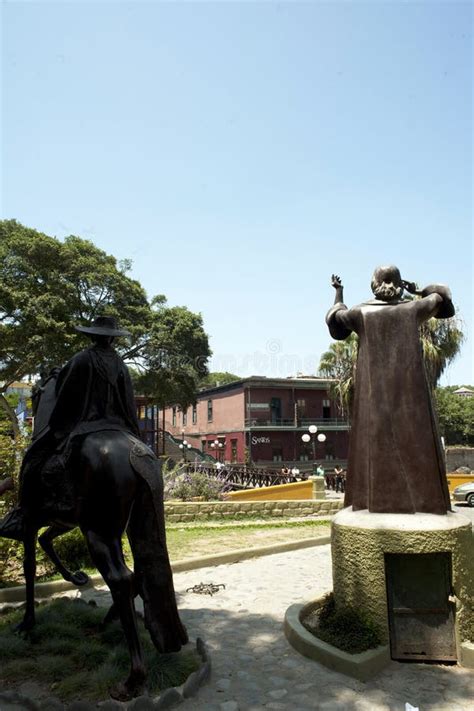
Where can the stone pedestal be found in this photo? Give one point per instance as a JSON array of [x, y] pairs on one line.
[[360, 542], [319, 487]]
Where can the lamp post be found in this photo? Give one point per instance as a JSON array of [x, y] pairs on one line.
[[184, 446], [311, 437], [217, 447]]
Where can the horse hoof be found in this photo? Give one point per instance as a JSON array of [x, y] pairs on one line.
[[79, 578], [124, 692], [132, 687]]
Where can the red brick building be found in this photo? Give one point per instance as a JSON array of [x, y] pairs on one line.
[[262, 420]]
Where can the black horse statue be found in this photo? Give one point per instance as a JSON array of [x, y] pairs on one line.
[[115, 486]]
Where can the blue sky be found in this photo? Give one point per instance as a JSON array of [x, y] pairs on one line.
[[241, 152]]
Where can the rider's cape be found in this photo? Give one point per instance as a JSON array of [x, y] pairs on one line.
[[93, 392]]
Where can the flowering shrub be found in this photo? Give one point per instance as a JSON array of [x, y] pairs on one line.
[[187, 485]]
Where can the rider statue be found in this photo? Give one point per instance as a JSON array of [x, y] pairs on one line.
[[91, 393]]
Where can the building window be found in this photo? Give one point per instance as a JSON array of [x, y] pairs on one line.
[[301, 405], [209, 410], [173, 421], [304, 457], [326, 409], [195, 414], [185, 418], [233, 450], [277, 455], [203, 444]]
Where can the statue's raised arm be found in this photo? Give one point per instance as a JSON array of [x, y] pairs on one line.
[[337, 284]]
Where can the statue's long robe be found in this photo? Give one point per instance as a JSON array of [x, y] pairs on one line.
[[395, 463]]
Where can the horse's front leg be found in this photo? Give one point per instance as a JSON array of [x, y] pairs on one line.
[[46, 542], [29, 570]]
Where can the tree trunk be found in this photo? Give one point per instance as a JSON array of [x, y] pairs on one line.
[[164, 431], [10, 412]]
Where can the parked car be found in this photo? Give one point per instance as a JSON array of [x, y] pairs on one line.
[[464, 492]]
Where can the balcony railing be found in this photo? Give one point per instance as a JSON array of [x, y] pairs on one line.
[[302, 422]]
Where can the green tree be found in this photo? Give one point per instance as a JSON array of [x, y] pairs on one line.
[[173, 360], [47, 286], [215, 379], [456, 416], [339, 363], [441, 340]]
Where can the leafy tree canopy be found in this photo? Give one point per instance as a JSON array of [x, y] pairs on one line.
[[215, 379], [339, 362], [175, 355], [48, 286], [456, 416]]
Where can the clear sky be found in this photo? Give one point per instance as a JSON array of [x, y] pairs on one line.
[[241, 152]]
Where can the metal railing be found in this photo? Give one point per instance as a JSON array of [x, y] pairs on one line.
[[245, 477]]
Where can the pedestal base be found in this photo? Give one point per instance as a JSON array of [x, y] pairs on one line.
[[360, 542]]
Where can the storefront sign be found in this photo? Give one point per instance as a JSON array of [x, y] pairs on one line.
[[258, 406], [260, 440]]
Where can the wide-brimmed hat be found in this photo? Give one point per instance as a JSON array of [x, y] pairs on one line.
[[103, 326]]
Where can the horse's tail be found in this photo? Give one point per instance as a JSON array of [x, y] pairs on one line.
[[153, 574]]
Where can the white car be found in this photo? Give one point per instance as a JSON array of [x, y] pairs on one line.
[[464, 492]]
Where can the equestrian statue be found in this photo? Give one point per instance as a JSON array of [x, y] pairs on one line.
[[87, 467]]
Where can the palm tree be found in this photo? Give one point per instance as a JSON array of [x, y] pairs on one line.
[[339, 363], [441, 341]]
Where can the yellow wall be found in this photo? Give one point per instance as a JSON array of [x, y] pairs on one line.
[[455, 480], [304, 490], [285, 492]]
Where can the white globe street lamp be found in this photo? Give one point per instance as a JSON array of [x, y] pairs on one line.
[[312, 429], [184, 446], [217, 445]]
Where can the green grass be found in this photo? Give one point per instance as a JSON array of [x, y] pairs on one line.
[[184, 540], [70, 655], [344, 628]]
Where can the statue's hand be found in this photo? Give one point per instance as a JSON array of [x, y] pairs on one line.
[[336, 281], [409, 286]]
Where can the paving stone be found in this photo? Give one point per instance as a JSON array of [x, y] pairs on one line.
[[111, 705], [141, 703], [51, 703], [168, 699], [229, 706], [277, 693], [223, 684], [81, 706], [191, 685]]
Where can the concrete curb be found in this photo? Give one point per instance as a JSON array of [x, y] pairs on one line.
[[362, 666], [42, 590]]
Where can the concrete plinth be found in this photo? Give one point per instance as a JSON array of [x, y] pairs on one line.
[[360, 541], [319, 487]]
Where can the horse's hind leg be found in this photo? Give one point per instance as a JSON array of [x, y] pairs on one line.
[[108, 557], [46, 542]]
